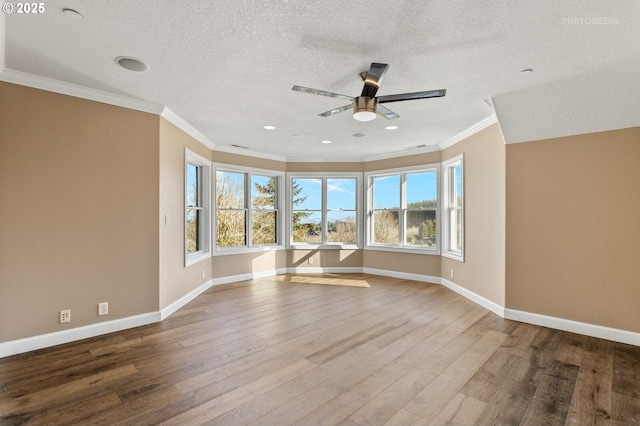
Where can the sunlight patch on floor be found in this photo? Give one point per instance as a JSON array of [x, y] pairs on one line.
[[324, 280]]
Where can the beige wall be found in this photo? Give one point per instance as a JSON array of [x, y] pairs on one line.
[[484, 205], [324, 167], [79, 208], [572, 234], [324, 258], [409, 160], [411, 263], [242, 160], [175, 280], [240, 264]]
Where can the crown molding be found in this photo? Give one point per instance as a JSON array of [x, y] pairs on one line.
[[70, 89], [480, 125], [324, 160], [249, 153], [173, 118]]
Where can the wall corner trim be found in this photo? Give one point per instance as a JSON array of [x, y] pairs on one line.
[[14, 347], [593, 330]]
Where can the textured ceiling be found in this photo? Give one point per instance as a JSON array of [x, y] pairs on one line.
[[227, 67]]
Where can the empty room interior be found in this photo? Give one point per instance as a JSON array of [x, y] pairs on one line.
[[320, 212]]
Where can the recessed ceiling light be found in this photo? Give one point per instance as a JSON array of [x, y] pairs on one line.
[[269, 127], [72, 14], [326, 142], [391, 127], [131, 64], [359, 135], [526, 71]]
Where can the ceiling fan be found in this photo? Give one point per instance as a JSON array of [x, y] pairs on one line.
[[367, 104]]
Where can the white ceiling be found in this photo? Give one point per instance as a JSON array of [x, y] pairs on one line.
[[226, 67]]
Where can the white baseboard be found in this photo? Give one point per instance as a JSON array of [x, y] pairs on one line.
[[324, 270], [169, 310], [593, 330], [476, 298], [27, 344], [51, 339], [403, 275]]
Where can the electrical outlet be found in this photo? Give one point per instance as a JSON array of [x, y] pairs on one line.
[[203, 275], [103, 308], [311, 261], [452, 273], [65, 316]]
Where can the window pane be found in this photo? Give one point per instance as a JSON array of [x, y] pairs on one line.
[[192, 185], [230, 190], [420, 228], [341, 194], [263, 227], [457, 186], [307, 227], [193, 230], [307, 194], [230, 228], [263, 192], [386, 192], [456, 229], [341, 227], [386, 228], [422, 190]]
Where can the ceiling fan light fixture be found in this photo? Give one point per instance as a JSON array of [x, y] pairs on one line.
[[364, 108]]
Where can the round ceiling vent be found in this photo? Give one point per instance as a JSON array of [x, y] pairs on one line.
[[131, 64]]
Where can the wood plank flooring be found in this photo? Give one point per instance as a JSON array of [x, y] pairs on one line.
[[348, 349]]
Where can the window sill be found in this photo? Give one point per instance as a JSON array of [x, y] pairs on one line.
[[324, 247], [431, 252], [196, 257], [239, 250], [454, 256]]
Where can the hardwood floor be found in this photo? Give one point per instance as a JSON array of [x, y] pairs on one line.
[[349, 349]]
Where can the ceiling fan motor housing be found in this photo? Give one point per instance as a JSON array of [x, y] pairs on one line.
[[364, 108]]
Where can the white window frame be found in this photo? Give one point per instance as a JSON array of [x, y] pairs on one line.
[[402, 246], [449, 207], [280, 224], [204, 189], [325, 176]]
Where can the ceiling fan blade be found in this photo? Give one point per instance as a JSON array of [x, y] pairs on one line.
[[373, 79], [386, 112], [336, 110], [321, 93], [410, 96]]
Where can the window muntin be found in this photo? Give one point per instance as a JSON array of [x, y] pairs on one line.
[[403, 209], [324, 209], [197, 208], [247, 209], [453, 229]]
